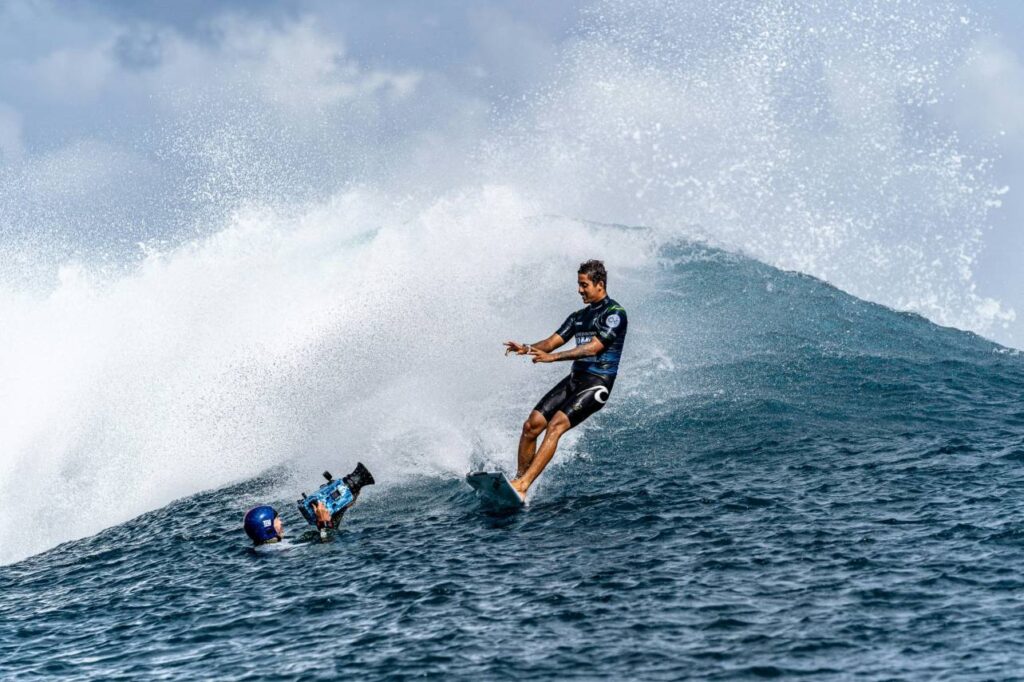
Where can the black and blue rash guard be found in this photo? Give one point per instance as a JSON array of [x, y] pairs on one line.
[[606, 320]]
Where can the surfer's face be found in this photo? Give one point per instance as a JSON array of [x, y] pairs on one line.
[[278, 527], [588, 290]]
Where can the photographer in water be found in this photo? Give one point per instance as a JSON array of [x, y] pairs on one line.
[[263, 525], [323, 509]]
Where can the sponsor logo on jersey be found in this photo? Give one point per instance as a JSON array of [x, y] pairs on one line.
[[584, 338], [614, 320]]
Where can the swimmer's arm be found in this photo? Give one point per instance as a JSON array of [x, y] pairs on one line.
[[547, 345], [590, 348]]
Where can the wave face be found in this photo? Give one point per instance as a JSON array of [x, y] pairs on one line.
[[787, 480]]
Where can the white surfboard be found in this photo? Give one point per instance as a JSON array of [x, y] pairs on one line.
[[494, 490]]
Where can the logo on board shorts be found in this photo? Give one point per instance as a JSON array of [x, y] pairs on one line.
[[601, 395], [614, 320]]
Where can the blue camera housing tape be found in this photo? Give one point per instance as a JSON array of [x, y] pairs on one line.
[[334, 495]]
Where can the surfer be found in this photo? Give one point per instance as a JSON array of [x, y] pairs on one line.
[[599, 330]]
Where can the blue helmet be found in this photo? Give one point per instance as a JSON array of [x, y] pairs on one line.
[[259, 524]]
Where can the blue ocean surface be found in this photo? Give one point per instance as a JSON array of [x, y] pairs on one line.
[[803, 484]]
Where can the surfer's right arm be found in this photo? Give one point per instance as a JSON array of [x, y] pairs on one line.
[[547, 345]]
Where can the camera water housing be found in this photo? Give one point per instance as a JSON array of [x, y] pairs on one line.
[[336, 496]]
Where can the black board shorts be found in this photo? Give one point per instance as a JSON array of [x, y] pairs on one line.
[[579, 395]]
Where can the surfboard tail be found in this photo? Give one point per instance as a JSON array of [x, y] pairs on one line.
[[495, 491]]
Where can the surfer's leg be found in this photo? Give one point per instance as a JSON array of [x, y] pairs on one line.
[[532, 428], [585, 397], [539, 420], [558, 425]]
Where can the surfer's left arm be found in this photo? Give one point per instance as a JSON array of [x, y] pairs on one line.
[[586, 350], [548, 344]]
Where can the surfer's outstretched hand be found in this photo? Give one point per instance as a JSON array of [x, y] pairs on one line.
[[541, 356], [515, 347]]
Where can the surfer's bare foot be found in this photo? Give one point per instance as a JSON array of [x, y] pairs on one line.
[[520, 486]]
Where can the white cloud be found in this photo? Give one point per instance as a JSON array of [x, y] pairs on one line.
[[992, 87], [240, 108], [511, 50], [302, 65], [296, 69], [74, 73], [106, 70]]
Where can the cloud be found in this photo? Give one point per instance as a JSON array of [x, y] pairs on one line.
[[293, 67], [992, 90], [241, 108], [102, 69], [510, 50], [73, 74]]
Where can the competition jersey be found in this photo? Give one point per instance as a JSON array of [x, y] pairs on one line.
[[605, 319]]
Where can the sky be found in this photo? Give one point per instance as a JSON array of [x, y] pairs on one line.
[[140, 122], [92, 93]]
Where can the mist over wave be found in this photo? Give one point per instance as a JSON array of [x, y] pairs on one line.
[[800, 133], [357, 306], [352, 330]]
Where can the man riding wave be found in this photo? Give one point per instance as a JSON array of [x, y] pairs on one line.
[[600, 331]]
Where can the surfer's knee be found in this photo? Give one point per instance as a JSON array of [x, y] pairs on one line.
[[559, 423], [534, 424]]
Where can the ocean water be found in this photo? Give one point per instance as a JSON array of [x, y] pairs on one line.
[[828, 488]]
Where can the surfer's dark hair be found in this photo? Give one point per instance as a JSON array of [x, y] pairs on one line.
[[594, 269]]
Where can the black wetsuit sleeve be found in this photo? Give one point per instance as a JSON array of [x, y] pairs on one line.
[[612, 325], [565, 331]]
